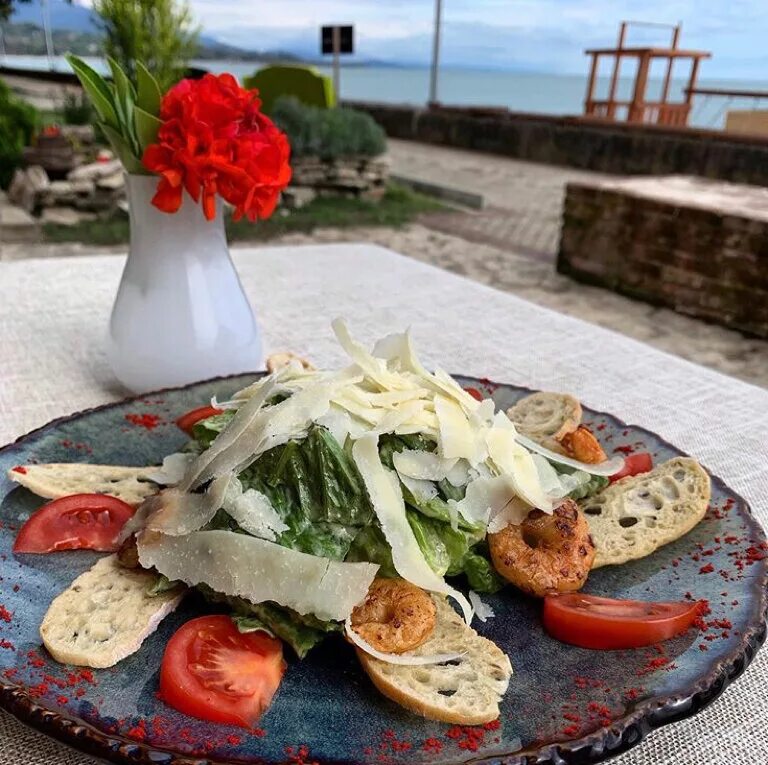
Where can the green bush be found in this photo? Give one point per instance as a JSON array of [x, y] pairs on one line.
[[17, 124], [302, 82], [328, 133], [77, 109]]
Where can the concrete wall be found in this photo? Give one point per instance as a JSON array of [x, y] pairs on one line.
[[708, 263], [609, 148]]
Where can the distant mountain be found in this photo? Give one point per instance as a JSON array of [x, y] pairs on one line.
[[72, 17], [27, 38]]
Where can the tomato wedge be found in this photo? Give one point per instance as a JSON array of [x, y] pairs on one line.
[[213, 672], [642, 462], [187, 421], [604, 623], [475, 393], [76, 522]]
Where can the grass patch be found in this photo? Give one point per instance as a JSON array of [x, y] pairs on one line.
[[398, 206]]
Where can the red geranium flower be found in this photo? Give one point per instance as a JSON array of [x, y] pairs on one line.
[[215, 140]]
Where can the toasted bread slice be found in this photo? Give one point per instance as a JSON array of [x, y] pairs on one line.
[[465, 692], [60, 479], [635, 516], [546, 417], [105, 615]]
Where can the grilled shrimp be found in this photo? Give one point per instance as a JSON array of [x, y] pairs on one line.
[[545, 553], [582, 445], [396, 616]]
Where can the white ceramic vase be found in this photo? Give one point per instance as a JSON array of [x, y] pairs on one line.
[[180, 314]]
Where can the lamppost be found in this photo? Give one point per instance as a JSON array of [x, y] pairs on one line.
[[46, 13], [435, 54]]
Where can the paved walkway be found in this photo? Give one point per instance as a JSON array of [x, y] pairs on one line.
[[523, 200]]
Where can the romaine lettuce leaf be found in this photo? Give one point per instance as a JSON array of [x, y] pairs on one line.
[[481, 575], [370, 545], [301, 632]]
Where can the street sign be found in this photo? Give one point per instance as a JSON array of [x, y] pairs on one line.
[[346, 39], [336, 40]]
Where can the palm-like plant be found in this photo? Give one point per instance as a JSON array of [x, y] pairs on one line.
[[128, 114]]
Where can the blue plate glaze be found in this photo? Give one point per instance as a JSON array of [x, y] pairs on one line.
[[564, 704]]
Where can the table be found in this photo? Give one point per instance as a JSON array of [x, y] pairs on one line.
[[53, 315]]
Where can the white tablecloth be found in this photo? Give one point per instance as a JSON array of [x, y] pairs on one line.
[[53, 315]]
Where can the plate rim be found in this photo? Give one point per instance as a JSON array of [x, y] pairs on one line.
[[623, 734]]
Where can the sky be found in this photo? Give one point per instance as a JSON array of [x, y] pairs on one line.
[[532, 35], [539, 35]]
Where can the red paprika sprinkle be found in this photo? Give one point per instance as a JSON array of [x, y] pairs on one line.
[[708, 569], [5, 614], [138, 731], [148, 421], [19, 469], [432, 745]]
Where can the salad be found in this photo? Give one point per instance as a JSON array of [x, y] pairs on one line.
[[377, 503]]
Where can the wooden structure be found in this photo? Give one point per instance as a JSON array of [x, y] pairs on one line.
[[639, 109]]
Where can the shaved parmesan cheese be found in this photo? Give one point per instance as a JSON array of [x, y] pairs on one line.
[[514, 461], [267, 427], [458, 475], [339, 424], [395, 397], [422, 491], [484, 498], [395, 418], [425, 466], [173, 469], [397, 658], [608, 468], [375, 369], [512, 514], [204, 466], [456, 436], [175, 512], [482, 610], [556, 484], [257, 570], [292, 376], [387, 500], [253, 512], [233, 403], [398, 349]]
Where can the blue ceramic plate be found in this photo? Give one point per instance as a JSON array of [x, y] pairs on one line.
[[564, 704]]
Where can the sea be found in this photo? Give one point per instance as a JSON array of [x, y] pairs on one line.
[[555, 94]]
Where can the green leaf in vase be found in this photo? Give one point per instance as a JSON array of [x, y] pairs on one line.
[[147, 126], [97, 89], [125, 98], [149, 95], [123, 149]]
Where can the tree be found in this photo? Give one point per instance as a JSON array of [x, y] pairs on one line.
[[6, 8], [159, 33]]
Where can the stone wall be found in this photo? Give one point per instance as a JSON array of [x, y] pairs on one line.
[[605, 147], [357, 177], [696, 246]]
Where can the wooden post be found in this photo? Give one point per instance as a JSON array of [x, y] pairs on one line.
[[588, 103], [615, 74], [637, 107], [691, 86], [336, 66], [670, 64]]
